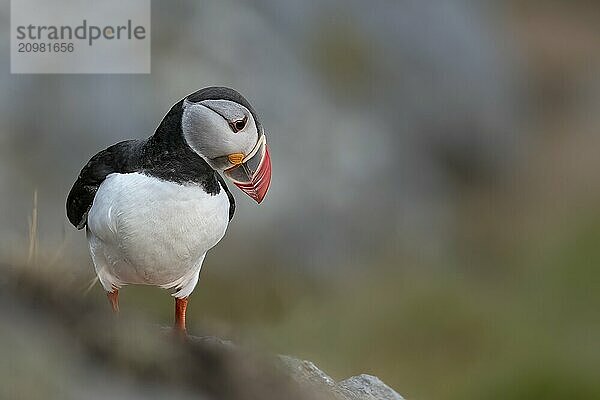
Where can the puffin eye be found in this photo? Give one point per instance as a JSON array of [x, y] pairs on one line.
[[238, 125]]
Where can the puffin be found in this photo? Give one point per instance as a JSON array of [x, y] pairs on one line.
[[152, 208]]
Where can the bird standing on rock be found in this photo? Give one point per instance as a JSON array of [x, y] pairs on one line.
[[152, 208]]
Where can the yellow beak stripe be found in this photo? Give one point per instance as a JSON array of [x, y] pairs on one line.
[[236, 158]]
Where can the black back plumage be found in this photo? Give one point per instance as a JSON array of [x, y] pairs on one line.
[[164, 155]]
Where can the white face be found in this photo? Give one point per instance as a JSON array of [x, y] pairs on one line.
[[216, 129]]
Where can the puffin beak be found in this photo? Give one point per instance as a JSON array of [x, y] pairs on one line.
[[253, 174]]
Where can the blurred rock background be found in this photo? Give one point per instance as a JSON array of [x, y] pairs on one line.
[[434, 215]]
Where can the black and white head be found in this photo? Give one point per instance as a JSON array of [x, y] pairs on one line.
[[221, 126]]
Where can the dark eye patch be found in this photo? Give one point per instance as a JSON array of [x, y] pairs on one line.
[[238, 125]]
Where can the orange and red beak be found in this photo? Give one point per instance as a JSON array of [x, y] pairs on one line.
[[253, 174]]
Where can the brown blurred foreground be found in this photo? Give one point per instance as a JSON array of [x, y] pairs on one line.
[[60, 344]]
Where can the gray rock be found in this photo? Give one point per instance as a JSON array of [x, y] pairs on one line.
[[369, 387], [361, 387]]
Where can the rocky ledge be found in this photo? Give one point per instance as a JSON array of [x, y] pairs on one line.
[[56, 343], [308, 376], [360, 387]]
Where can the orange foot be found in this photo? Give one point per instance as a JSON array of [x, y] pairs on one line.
[[180, 308], [113, 298]]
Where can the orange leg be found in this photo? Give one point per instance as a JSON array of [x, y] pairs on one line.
[[180, 307], [113, 298]]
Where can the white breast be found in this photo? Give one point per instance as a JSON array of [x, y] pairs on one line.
[[143, 230]]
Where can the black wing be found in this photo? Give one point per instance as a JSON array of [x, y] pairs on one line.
[[113, 159], [229, 194]]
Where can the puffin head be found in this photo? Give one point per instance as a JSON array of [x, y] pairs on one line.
[[221, 126]]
